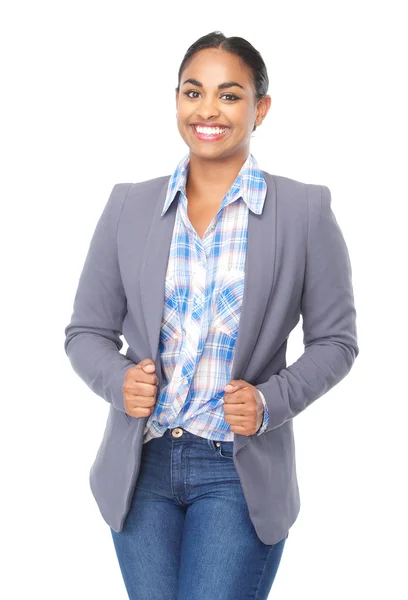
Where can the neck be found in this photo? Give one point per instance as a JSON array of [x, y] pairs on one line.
[[213, 177]]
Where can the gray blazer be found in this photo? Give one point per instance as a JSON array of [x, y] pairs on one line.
[[297, 264]]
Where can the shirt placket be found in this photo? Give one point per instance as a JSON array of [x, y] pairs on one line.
[[193, 322]]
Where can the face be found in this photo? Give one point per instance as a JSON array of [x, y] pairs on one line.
[[217, 89]]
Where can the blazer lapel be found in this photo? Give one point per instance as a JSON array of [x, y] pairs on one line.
[[153, 273], [259, 278], [259, 274]]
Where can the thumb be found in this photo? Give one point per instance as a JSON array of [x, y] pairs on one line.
[[148, 365]]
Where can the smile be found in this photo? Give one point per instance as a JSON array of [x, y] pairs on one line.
[[209, 133]]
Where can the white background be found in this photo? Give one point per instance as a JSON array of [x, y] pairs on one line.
[[88, 101]]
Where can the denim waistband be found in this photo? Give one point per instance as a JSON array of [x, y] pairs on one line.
[[191, 437]]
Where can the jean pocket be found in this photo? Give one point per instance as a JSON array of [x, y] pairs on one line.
[[226, 450]]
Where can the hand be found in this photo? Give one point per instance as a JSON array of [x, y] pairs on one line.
[[243, 407], [140, 389]]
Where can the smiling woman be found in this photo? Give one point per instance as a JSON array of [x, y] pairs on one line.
[[206, 272], [221, 98]]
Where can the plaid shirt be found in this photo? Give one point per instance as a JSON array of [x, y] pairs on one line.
[[203, 295]]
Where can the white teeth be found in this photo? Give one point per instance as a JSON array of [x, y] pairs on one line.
[[210, 130]]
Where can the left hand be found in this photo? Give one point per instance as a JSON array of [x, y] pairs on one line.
[[243, 407]]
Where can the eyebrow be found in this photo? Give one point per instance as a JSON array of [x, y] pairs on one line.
[[222, 86]]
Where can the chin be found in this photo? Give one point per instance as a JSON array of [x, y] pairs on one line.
[[210, 153]]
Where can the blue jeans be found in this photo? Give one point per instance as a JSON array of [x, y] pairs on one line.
[[188, 534]]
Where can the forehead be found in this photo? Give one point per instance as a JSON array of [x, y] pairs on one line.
[[213, 66]]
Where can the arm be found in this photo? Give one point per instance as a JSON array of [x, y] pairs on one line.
[[329, 319], [92, 340]]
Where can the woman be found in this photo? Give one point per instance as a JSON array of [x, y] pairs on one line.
[[196, 472]]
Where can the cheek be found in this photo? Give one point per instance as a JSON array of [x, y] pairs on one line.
[[182, 119], [242, 117], [183, 111]]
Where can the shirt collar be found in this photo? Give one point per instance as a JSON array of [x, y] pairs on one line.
[[250, 182]]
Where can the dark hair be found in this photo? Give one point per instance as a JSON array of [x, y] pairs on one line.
[[238, 46]]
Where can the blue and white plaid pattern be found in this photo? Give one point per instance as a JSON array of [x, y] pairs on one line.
[[203, 296]]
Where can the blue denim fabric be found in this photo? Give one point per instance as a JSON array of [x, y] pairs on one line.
[[188, 534]]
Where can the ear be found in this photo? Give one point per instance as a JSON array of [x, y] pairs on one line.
[[262, 109]]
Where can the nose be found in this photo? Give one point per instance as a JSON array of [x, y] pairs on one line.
[[208, 108]]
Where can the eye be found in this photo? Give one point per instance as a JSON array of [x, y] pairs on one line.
[[232, 97], [191, 92]]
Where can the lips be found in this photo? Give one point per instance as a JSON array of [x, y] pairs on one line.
[[209, 133], [212, 124]]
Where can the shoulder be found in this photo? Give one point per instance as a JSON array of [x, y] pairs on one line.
[[131, 193], [293, 192], [148, 185], [143, 188], [289, 185]]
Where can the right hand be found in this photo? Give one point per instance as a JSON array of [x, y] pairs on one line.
[[140, 389]]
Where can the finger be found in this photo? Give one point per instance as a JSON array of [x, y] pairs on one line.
[[242, 420], [143, 376], [234, 384], [239, 410], [142, 401], [140, 388], [238, 397], [240, 429], [230, 387], [147, 365]]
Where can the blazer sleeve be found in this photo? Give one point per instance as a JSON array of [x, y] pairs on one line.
[[328, 314], [92, 340]]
